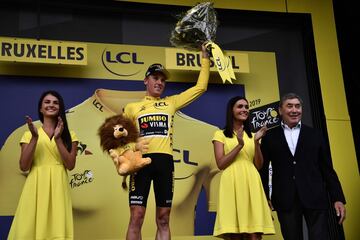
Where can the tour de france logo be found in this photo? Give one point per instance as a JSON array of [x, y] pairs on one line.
[[265, 115], [79, 179]]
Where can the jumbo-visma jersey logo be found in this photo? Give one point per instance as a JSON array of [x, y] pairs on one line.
[[154, 125], [122, 63]]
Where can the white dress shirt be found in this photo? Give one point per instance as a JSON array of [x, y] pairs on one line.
[[291, 135]]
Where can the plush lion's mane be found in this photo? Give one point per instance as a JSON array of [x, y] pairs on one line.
[[106, 132]]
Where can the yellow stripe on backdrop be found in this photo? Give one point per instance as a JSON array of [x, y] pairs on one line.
[[129, 62], [106, 61]]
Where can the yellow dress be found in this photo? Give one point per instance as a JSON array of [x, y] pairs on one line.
[[242, 205], [44, 210]]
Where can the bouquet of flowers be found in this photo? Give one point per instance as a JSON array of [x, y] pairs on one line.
[[196, 26]]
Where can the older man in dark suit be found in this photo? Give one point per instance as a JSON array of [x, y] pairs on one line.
[[302, 174]]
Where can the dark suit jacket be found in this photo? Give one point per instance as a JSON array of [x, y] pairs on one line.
[[309, 172]]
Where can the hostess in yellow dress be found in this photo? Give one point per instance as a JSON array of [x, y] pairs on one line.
[[242, 204], [44, 210]]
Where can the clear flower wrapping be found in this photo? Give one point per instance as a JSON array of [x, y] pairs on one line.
[[196, 26]]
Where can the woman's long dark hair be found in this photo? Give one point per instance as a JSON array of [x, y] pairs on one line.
[[229, 126], [65, 136]]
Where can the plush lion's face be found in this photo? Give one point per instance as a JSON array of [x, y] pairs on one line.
[[120, 131], [117, 131]]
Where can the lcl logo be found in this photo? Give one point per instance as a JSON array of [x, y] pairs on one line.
[[161, 104], [98, 105], [115, 62]]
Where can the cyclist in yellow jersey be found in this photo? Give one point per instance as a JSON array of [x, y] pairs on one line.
[[154, 117]]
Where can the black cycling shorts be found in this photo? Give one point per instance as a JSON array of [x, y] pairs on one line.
[[161, 172]]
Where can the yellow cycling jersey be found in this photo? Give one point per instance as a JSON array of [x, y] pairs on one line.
[[155, 116]]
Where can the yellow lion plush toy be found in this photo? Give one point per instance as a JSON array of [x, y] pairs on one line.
[[119, 137]]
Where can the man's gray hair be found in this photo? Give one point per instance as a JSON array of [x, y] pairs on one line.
[[290, 96]]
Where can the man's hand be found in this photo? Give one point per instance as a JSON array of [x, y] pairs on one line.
[[205, 51], [340, 211], [142, 145]]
